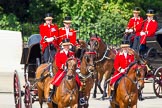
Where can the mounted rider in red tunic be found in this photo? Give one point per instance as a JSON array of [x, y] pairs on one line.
[[122, 60], [60, 58], [49, 34]]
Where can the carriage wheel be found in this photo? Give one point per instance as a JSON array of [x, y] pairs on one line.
[[27, 97], [151, 53], [157, 82], [17, 90]]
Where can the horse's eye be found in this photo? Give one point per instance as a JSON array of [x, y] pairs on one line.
[[96, 43], [87, 58], [88, 42], [138, 73]]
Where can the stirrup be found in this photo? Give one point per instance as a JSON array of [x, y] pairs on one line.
[[49, 100], [82, 101], [110, 98]]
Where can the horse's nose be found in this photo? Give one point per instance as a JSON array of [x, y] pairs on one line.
[[140, 86], [91, 69]]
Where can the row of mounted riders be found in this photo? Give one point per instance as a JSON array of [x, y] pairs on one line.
[[97, 61]]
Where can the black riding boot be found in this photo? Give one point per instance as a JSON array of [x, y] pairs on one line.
[[111, 95], [51, 92], [82, 100], [140, 96]]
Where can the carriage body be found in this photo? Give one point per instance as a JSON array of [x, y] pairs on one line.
[[31, 58], [154, 56]]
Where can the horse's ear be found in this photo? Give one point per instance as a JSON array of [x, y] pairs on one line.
[[88, 42], [90, 34], [96, 35], [138, 62]]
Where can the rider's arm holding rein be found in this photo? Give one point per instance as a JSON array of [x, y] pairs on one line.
[[117, 64], [58, 61]]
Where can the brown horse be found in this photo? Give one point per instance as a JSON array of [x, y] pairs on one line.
[[104, 62], [66, 94], [42, 78], [86, 75], [127, 90]]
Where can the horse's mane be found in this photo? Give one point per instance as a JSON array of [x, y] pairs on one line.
[[130, 65]]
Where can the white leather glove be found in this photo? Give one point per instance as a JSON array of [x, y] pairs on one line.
[[77, 70], [70, 47], [142, 33], [126, 30], [122, 70], [65, 67], [130, 30], [49, 39]]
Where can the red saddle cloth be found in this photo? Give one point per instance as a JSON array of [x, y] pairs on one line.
[[60, 75]]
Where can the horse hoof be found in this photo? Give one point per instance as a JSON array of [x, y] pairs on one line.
[[102, 98], [104, 95], [94, 96]]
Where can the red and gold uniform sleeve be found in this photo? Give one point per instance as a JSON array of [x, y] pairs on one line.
[[150, 28]]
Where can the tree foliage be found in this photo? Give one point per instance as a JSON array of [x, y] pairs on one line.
[[107, 18]]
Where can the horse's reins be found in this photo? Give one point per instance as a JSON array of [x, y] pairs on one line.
[[87, 69], [134, 82], [42, 75], [71, 92], [106, 51]]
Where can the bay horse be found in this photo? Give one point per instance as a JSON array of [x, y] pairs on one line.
[[66, 94], [87, 71], [127, 89], [104, 62]]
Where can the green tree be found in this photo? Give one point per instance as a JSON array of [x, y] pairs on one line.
[[9, 22]]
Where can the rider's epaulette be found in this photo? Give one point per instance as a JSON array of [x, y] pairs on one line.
[[130, 51], [62, 28], [153, 20], [71, 28], [61, 51], [70, 51], [121, 53], [45, 24]]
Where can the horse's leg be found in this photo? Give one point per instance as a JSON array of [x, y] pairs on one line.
[[95, 86], [74, 106], [112, 105], [40, 95], [122, 105], [100, 76], [50, 105], [134, 106], [60, 105], [107, 76]]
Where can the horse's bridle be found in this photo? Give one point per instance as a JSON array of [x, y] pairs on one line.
[[107, 50], [90, 73], [137, 67]]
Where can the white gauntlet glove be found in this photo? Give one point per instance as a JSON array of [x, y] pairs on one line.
[[126, 30], [49, 39], [130, 30], [142, 33], [121, 70]]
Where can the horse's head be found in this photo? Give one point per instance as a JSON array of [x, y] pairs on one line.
[[94, 42], [88, 60], [136, 70], [71, 65]]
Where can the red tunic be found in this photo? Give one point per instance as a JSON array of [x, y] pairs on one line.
[[150, 29], [135, 24], [121, 62], [48, 32], [71, 35], [61, 59]]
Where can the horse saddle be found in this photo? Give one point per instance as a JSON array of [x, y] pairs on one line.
[[117, 83]]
